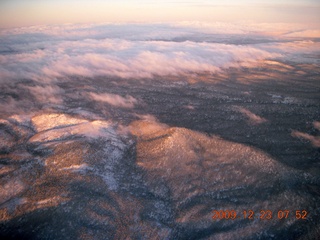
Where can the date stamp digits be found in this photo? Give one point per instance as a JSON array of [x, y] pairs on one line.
[[262, 214]]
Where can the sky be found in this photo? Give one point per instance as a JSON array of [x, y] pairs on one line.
[[18, 13]]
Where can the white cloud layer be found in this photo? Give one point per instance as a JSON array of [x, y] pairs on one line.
[[138, 51], [48, 94], [115, 100], [315, 140], [253, 118]]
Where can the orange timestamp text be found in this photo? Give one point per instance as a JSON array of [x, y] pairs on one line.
[[262, 214]]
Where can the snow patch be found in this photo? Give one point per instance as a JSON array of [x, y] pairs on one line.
[[10, 189], [61, 126], [78, 168], [52, 120]]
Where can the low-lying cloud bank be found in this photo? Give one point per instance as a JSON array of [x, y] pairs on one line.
[[140, 51], [115, 100], [314, 140], [252, 118]]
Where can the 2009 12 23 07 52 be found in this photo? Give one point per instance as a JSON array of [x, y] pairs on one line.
[[262, 214]]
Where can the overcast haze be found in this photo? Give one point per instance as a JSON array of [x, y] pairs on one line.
[[32, 12]]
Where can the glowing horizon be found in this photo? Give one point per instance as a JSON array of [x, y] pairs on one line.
[[18, 13]]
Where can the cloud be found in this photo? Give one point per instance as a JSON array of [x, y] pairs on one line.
[[129, 59], [47, 94], [138, 51], [10, 106], [147, 117], [315, 141], [310, 33], [253, 118], [146, 128], [115, 100], [300, 51], [316, 125]]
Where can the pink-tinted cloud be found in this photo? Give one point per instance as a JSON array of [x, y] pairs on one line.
[[115, 100], [148, 59], [316, 125], [253, 118], [47, 94], [139, 51], [315, 140]]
